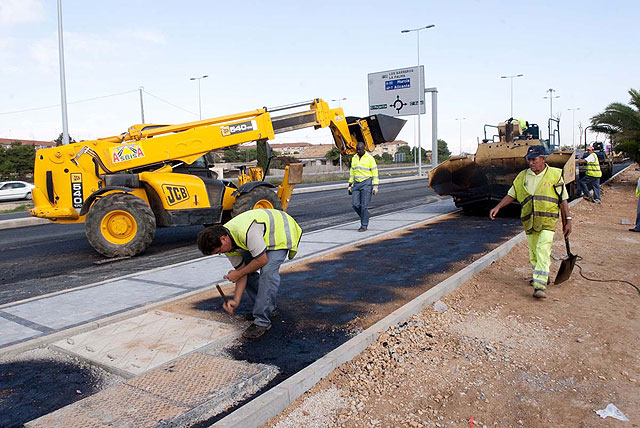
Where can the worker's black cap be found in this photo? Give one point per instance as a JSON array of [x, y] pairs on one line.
[[535, 151]]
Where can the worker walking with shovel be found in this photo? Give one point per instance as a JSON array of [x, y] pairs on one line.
[[256, 240], [543, 196]]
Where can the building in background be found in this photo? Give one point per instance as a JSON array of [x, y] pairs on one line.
[[7, 142]]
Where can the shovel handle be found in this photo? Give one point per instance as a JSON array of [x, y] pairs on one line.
[[225, 298], [566, 243]]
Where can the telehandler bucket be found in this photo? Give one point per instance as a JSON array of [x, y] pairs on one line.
[[383, 128]]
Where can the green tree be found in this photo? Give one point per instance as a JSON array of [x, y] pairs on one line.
[[59, 140], [17, 161], [408, 153], [622, 122], [233, 154], [334, 156], [443, 151]]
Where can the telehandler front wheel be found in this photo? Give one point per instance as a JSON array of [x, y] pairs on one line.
[[119, 225], [258, 197]]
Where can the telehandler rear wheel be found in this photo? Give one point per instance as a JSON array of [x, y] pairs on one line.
[[258, 197], [120, 225]]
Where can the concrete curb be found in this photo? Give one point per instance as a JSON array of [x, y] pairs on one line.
[[22, 222], [273, 402]]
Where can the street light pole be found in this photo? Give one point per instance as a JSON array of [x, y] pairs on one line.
[[573, 125], [199, 99], [63, 85], [339, 100], [420, 92], [511, 78], [140, 89], [551, 97], [460, 120]]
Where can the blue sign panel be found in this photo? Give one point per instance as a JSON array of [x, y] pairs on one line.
[[390, 85]]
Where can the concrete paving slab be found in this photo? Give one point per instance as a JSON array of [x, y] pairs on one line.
[[196, 387], [199, 273], [384, 225], [309, 248], [141, 343], [339, 236], [439, 207], [12, 332], [69, 309]]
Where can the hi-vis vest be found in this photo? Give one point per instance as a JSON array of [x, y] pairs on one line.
[[540, 210], [593, 168], [363, 168], [281, 232]]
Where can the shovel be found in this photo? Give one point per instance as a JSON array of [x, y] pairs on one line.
[[566, 267]]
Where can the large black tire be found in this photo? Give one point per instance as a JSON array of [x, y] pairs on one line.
[[120, 225], [258, 197]]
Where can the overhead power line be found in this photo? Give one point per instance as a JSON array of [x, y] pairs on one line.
[[170, 103], [72, 102]]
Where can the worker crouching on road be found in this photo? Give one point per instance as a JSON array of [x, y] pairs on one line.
[[541, 194], [364, 172], [259, 239]]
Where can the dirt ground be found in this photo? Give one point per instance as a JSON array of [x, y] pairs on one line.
[[495, 356]]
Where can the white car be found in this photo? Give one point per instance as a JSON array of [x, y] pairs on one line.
[[10, 190]]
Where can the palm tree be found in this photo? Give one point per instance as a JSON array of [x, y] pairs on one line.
[[622, 122]]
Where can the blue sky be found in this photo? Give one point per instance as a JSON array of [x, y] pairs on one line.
[[272, 53]]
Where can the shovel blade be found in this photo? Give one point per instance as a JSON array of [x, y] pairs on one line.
[[566, 267]]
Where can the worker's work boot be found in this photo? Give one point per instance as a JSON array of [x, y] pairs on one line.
[[362, 229], [255, 331], [539, 294]]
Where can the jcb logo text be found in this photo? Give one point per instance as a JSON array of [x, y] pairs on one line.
[[175, 194]]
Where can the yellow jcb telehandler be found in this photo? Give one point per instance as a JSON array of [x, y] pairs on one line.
[[123, 187]]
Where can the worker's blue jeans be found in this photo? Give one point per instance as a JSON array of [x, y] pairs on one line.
[[262, 288], [588, 182], [361, 198]]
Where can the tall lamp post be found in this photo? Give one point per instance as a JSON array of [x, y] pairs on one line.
[[339, 100], [199, 99], [63, 85], [573, 123], [420, 92], [460, 120], [511, 78], [551, 97]]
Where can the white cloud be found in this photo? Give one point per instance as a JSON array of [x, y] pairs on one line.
[[20, 11], [151, 36], [45, 53]]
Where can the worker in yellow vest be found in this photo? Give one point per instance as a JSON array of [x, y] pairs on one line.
[[542, 195], [637, 227], [363, 182], [591, 179], [259, 239]]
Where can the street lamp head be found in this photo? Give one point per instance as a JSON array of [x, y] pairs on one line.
[[206, 75], [405, 31], [192, 78], [519, 75], [430, 26]]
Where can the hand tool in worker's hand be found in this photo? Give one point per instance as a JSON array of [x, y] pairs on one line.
[[566, 267], [225, 298]]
